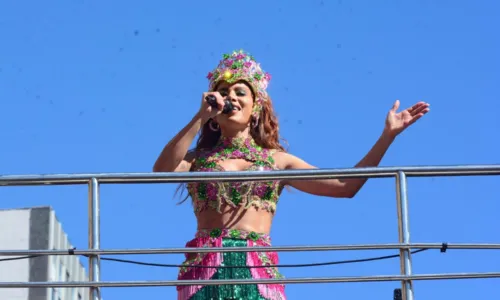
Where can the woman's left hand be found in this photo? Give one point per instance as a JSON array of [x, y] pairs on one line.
[[396, 122]]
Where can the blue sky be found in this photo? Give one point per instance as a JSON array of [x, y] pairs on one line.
[[89, 86]]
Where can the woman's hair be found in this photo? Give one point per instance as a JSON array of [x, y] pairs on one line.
[[265, 134]]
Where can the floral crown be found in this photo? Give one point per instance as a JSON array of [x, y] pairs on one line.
[[240, 65]]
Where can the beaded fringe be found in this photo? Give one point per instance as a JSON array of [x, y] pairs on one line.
[[233, 292], [205, 259], [269, 291]]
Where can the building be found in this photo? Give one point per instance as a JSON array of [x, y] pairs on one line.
[[38, 228]]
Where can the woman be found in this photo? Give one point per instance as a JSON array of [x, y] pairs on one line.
[[240, 214]]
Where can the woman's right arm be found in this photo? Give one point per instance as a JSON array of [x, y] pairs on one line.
[[175, 157]]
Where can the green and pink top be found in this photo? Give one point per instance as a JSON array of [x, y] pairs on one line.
[[214, 195]]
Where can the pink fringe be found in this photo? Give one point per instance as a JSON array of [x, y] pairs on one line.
[[269, 291], [209, 259]]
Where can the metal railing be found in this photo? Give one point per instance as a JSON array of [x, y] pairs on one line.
[[404, 246]]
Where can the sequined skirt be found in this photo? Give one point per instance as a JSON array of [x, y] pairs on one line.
[[227, 266]]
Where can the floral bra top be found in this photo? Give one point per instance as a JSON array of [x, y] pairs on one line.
[[213, 195]]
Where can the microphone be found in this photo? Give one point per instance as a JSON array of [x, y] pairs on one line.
[[212, 101]]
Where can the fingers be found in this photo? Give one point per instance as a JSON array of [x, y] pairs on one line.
[[418, 113], [210, 108], [421, 109], [395, 106], [220, 103], [215, 105], [418, 107], [205, 101]]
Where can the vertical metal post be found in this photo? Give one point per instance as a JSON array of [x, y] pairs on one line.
[[94, 237], [404, 234]]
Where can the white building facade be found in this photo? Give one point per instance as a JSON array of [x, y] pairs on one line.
[[36, 229]]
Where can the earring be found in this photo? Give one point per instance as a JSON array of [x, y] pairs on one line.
[[213, 125]]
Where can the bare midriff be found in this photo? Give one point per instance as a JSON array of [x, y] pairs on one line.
[[249, 219]]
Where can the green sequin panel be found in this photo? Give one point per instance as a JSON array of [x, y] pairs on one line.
[[235, 196], [260, 163], [269, 194], [231, 292], [210, 165], [202, 190]]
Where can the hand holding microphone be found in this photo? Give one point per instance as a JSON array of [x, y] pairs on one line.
[[212, 101]]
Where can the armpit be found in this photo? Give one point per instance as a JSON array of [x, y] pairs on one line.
[[280, 159]]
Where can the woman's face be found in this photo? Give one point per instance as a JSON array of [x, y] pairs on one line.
[[241, 96]]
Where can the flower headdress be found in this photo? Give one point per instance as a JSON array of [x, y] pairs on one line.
[[240, 65]]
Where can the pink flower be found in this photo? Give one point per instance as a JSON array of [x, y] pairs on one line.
[[210, 75], [247, 64], [260, 190], [211, 192]]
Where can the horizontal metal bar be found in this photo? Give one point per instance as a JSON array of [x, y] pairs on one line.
[[179, 177], [253, 249], [249, 281]]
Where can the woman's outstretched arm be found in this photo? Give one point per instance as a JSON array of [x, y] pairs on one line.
[[338, 188], [347, 188]]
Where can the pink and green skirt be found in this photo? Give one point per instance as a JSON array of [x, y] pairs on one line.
[[218, 264]]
